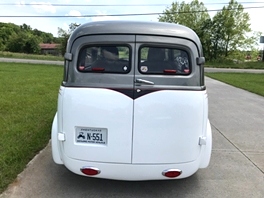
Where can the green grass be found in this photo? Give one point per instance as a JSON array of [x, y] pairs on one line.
[[241, 65], [27, 106], [4, 54], [247, 81]]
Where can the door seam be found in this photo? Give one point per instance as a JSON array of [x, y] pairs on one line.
[[133, 110]]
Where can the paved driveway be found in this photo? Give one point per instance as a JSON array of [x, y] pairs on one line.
[[236, 168]]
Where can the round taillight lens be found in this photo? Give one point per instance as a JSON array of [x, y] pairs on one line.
[[91, 171], [172, 173]]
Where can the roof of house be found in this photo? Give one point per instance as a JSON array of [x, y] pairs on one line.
[[48, 45]]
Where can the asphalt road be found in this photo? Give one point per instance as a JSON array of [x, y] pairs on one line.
[[17, 60], [236, 168]]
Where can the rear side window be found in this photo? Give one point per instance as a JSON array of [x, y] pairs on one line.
[[104, 59], [160, 60]]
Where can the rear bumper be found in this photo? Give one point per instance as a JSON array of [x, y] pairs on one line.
[[131, 172]]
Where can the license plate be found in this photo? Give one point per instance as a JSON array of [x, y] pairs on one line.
[[91, 135]]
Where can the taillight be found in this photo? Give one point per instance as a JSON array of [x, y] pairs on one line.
[[91, 171], [169, 71], [98, 69], [172, 173]]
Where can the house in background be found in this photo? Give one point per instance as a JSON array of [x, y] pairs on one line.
[[50, 48]]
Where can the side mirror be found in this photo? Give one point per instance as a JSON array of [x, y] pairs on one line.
[[68, 56], [200, 60]]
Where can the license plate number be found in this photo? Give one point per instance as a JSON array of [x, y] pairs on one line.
[[91, 135]]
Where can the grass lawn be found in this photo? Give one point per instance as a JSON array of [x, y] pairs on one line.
[[27, 106], [248, 81], [4, 54], [241, 65]]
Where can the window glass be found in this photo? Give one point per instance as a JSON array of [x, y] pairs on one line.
[[106, 59], [159, 60]]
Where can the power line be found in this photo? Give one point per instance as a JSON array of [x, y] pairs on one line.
[[78, 5], [132, 14], [112, 5], [244, 2]]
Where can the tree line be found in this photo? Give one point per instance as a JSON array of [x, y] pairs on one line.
[[227, 34], [22, 38]]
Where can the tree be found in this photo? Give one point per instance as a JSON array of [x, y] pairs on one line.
[[233, 23], [193, 15], [6, 30], [221, 36], [2, 47], [215, 36], [31, 45], [25, 27], [22, 38], [45, 37], [24, 43], [64, 36]]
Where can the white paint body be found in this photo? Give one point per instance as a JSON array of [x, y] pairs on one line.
[[157, 131]]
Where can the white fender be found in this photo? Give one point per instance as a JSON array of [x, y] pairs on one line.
[[207, 149], [54, 141]]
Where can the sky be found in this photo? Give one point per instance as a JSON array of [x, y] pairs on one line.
[[51, 24]]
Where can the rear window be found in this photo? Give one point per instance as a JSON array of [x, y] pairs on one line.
[[105, 59], [160, 60]]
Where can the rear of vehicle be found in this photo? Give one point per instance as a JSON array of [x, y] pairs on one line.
[[132, 105]]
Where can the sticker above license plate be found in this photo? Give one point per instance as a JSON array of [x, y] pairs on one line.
[[91, 135]]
